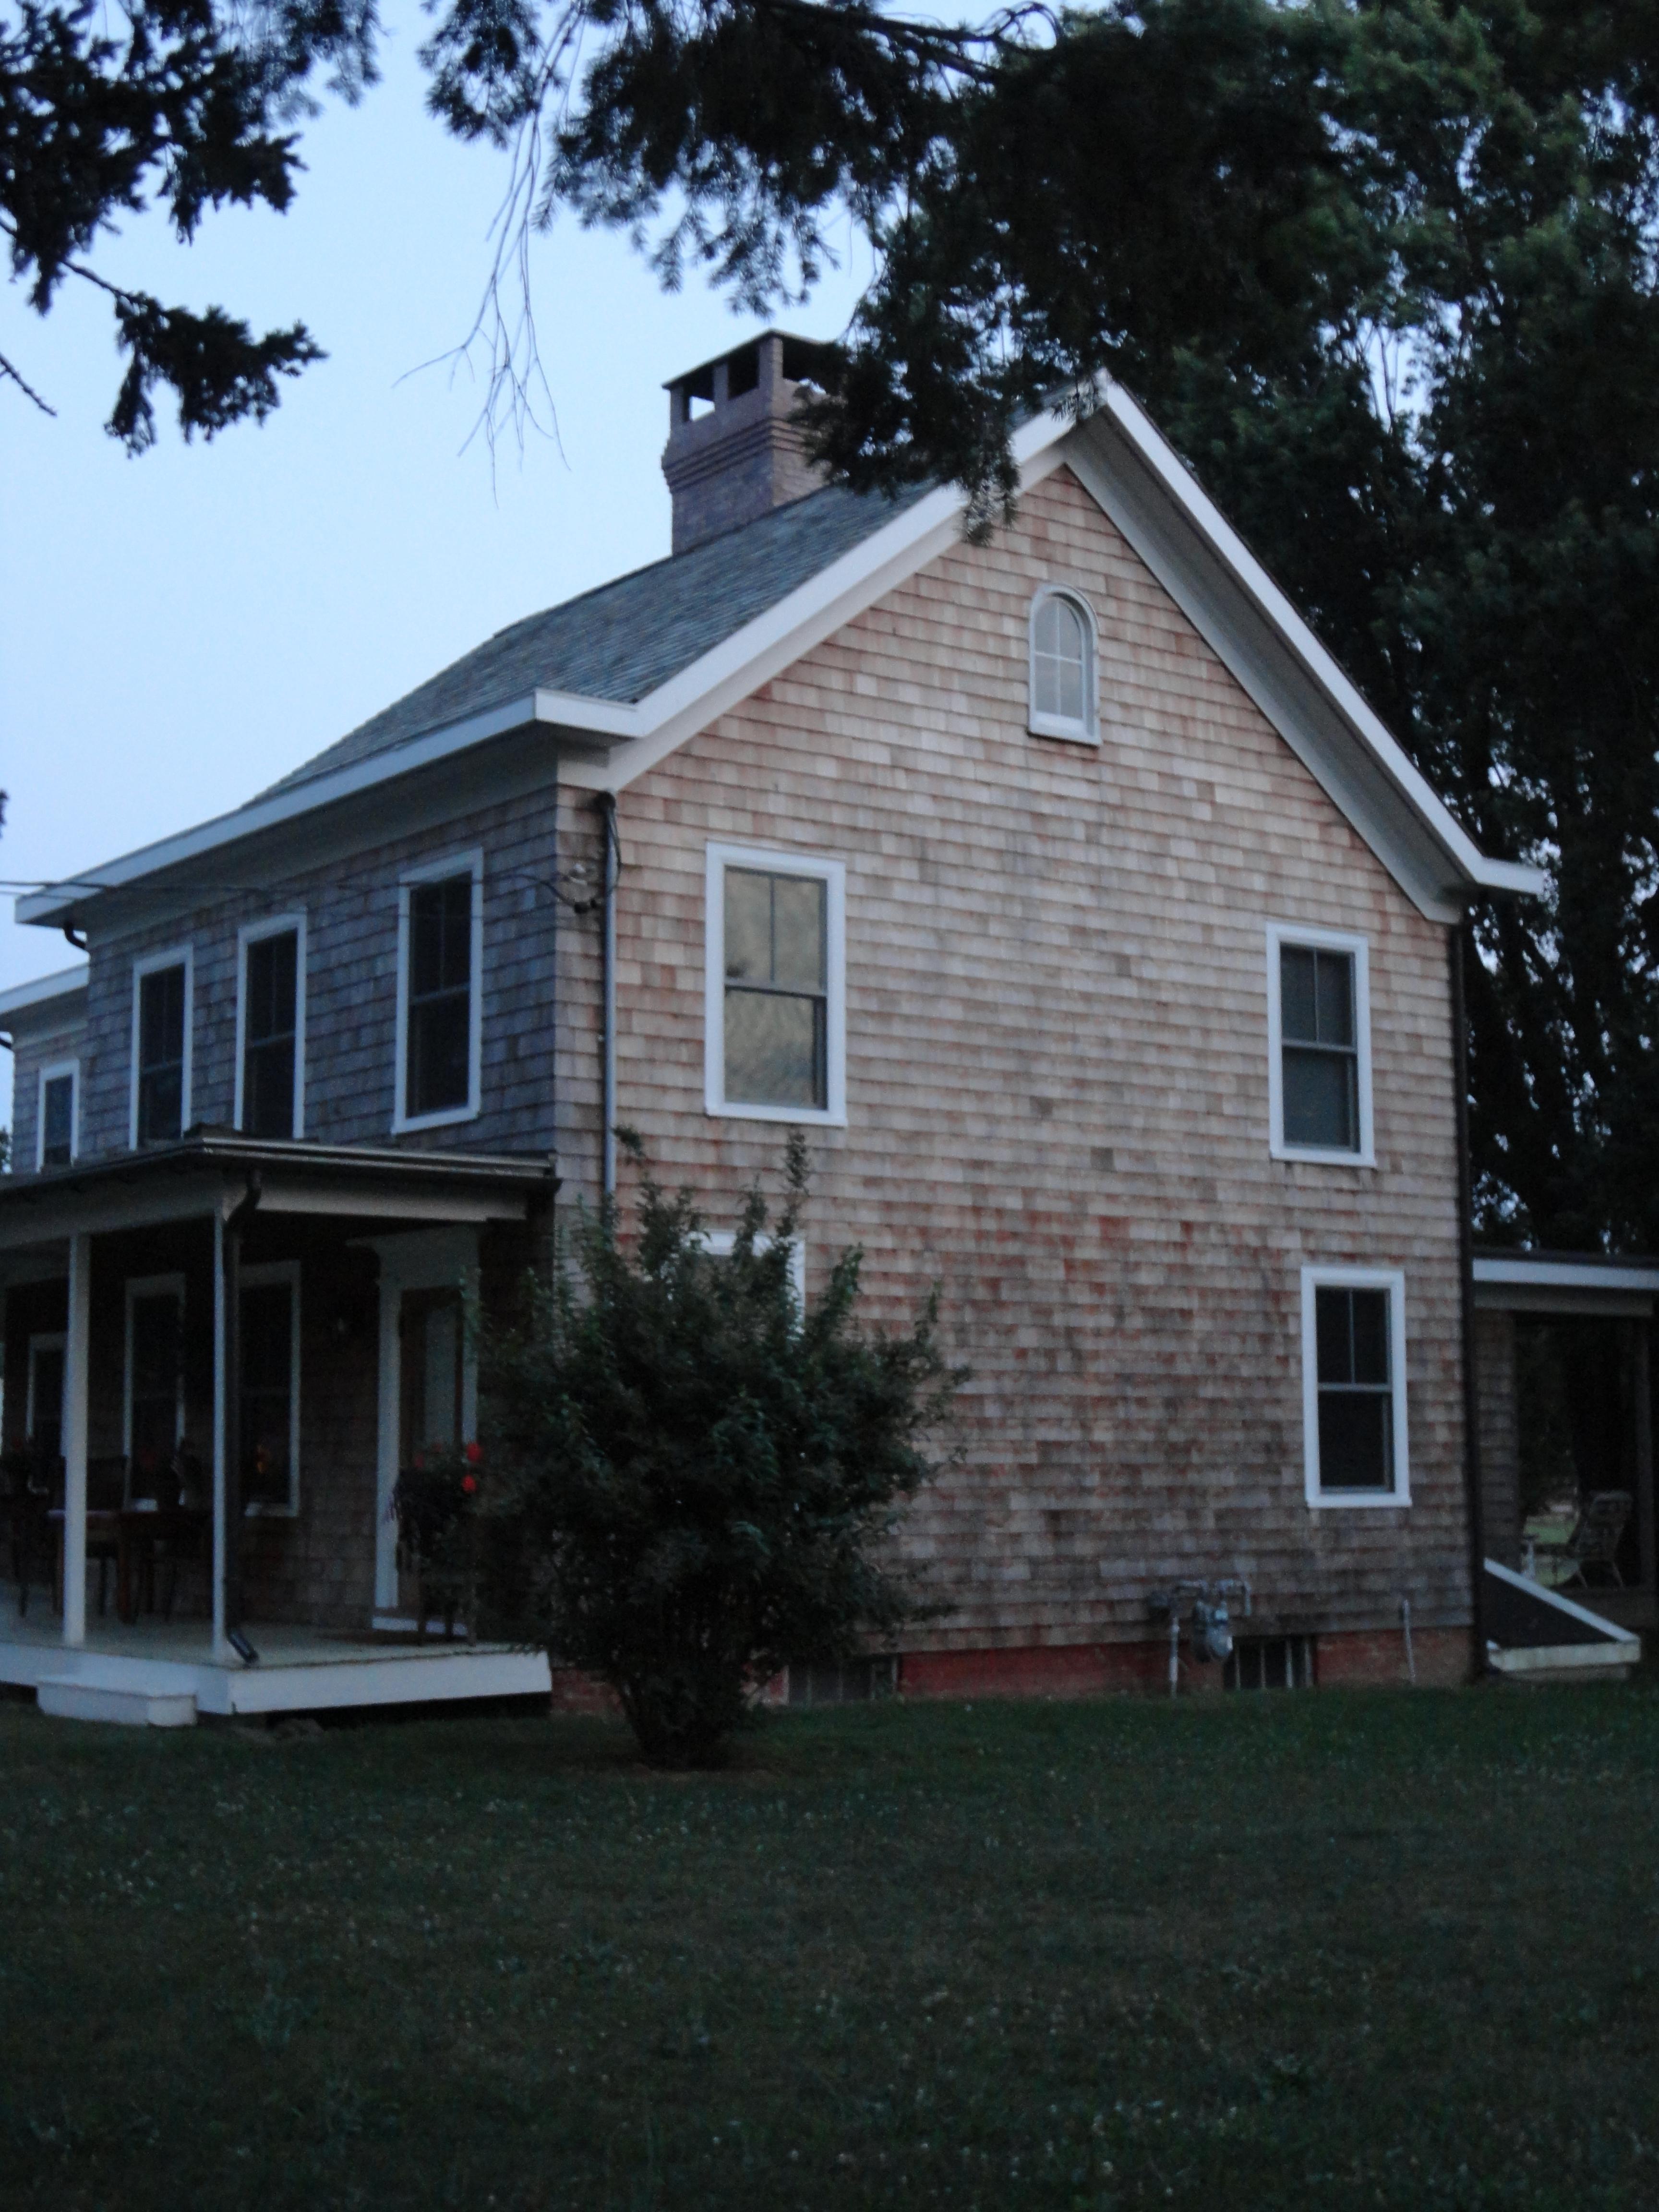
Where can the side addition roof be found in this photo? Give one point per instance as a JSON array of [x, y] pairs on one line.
[[613, 681]]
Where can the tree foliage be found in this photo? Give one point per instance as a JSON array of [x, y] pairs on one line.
[[689, 1476], [189, 104]]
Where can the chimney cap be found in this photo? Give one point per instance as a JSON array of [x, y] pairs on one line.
[[803, 358]]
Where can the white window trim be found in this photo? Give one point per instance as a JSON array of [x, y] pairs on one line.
[[53, 1071], [719, 1243], [432, 871], [1392, 1280], [1280, 933], [1087, 732], [829, 871], [148, 1286], [282, 1271], [49, 1340], [253, 933], [176, 955]]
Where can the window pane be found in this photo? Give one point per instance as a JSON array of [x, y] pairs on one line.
[[161, 1105], [273, 968], [161, 1055], [1355, 1450], [267, 1351], [268, 1089], [1297, 994], [1370, 1335], [798, 911], [1060, 660], [773, 1049], [441, 936], [1321, 1099], [156, 1333], [440, 1054], [1333, 1327], [1334, 972], [748, 925], [57, 1121]]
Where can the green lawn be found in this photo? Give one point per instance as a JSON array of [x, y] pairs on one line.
[[1334, 1950]]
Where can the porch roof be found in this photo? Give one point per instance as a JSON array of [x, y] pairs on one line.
[[1565, 1283], [210, 1171]]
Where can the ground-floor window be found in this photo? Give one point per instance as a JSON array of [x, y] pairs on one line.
[[1353, 1387], [44, 1410], [156, 1380], [270, 1403]]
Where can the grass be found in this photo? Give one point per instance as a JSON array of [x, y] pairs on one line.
[[1342, 1950]]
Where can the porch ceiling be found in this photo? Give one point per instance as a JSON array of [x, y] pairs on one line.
[[209, 1172]]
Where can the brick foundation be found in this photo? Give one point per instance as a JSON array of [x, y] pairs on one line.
[[1375, 1660]]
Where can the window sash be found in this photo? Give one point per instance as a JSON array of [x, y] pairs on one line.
[[1319, 1076], [57, 1121], [162, 1013], [1353, 1327], [438, 1063], [776, 1003], [267, 1394]]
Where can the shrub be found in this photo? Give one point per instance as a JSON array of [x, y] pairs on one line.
[[694, 1474]]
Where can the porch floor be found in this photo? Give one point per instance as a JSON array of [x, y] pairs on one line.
[[299, 1669]]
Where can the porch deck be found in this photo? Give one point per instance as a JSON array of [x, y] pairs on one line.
[[299, 1669]]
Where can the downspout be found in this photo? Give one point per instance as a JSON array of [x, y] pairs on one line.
[[607, 807], [1455, 941]]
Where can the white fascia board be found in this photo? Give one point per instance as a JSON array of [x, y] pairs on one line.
[[1568, 1274], [29, 997], [1182, 489], [763, 648], [50, 906]]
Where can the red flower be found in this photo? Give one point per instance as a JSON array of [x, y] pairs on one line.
[[469, 1484], [474, 1454]]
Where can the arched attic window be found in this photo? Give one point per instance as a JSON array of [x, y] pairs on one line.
[[1062, 678]]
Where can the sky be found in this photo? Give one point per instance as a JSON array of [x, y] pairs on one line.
[[178, 630]]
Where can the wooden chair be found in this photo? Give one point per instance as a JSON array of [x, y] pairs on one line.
[[1596, 1536]]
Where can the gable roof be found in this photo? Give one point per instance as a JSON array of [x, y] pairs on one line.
[[610, 700]]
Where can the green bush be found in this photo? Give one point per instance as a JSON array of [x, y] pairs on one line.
[[690, 1475]]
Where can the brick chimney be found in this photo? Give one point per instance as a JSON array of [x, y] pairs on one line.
[[733, 452]]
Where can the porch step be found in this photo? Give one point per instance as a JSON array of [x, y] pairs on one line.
[[131, 1704], [1538, 1635]]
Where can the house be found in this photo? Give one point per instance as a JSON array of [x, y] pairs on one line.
[[1061, 888]]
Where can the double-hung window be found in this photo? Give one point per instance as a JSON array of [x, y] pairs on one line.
[[155, 1387], [440, 991], [1353, 1387], [161, 1048], [1319, 1076], [56, 1136], [775, 1022], [271, 1028]]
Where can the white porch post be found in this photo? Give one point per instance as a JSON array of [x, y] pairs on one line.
[[76, 1368], [219, 1471]]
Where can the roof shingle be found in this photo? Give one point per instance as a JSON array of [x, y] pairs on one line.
[[628, 638]]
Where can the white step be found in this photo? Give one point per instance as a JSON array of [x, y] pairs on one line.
[[134, 1704]]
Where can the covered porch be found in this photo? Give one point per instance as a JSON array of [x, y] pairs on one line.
[[218, 1355], [1563, 1346]]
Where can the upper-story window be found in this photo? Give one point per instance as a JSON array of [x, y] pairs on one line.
[[1353, 1386], [775, 1029], [161, 1048], [1063, 667], [271, 1028], [1319, 1042], [439, 993], [57, 1133]]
